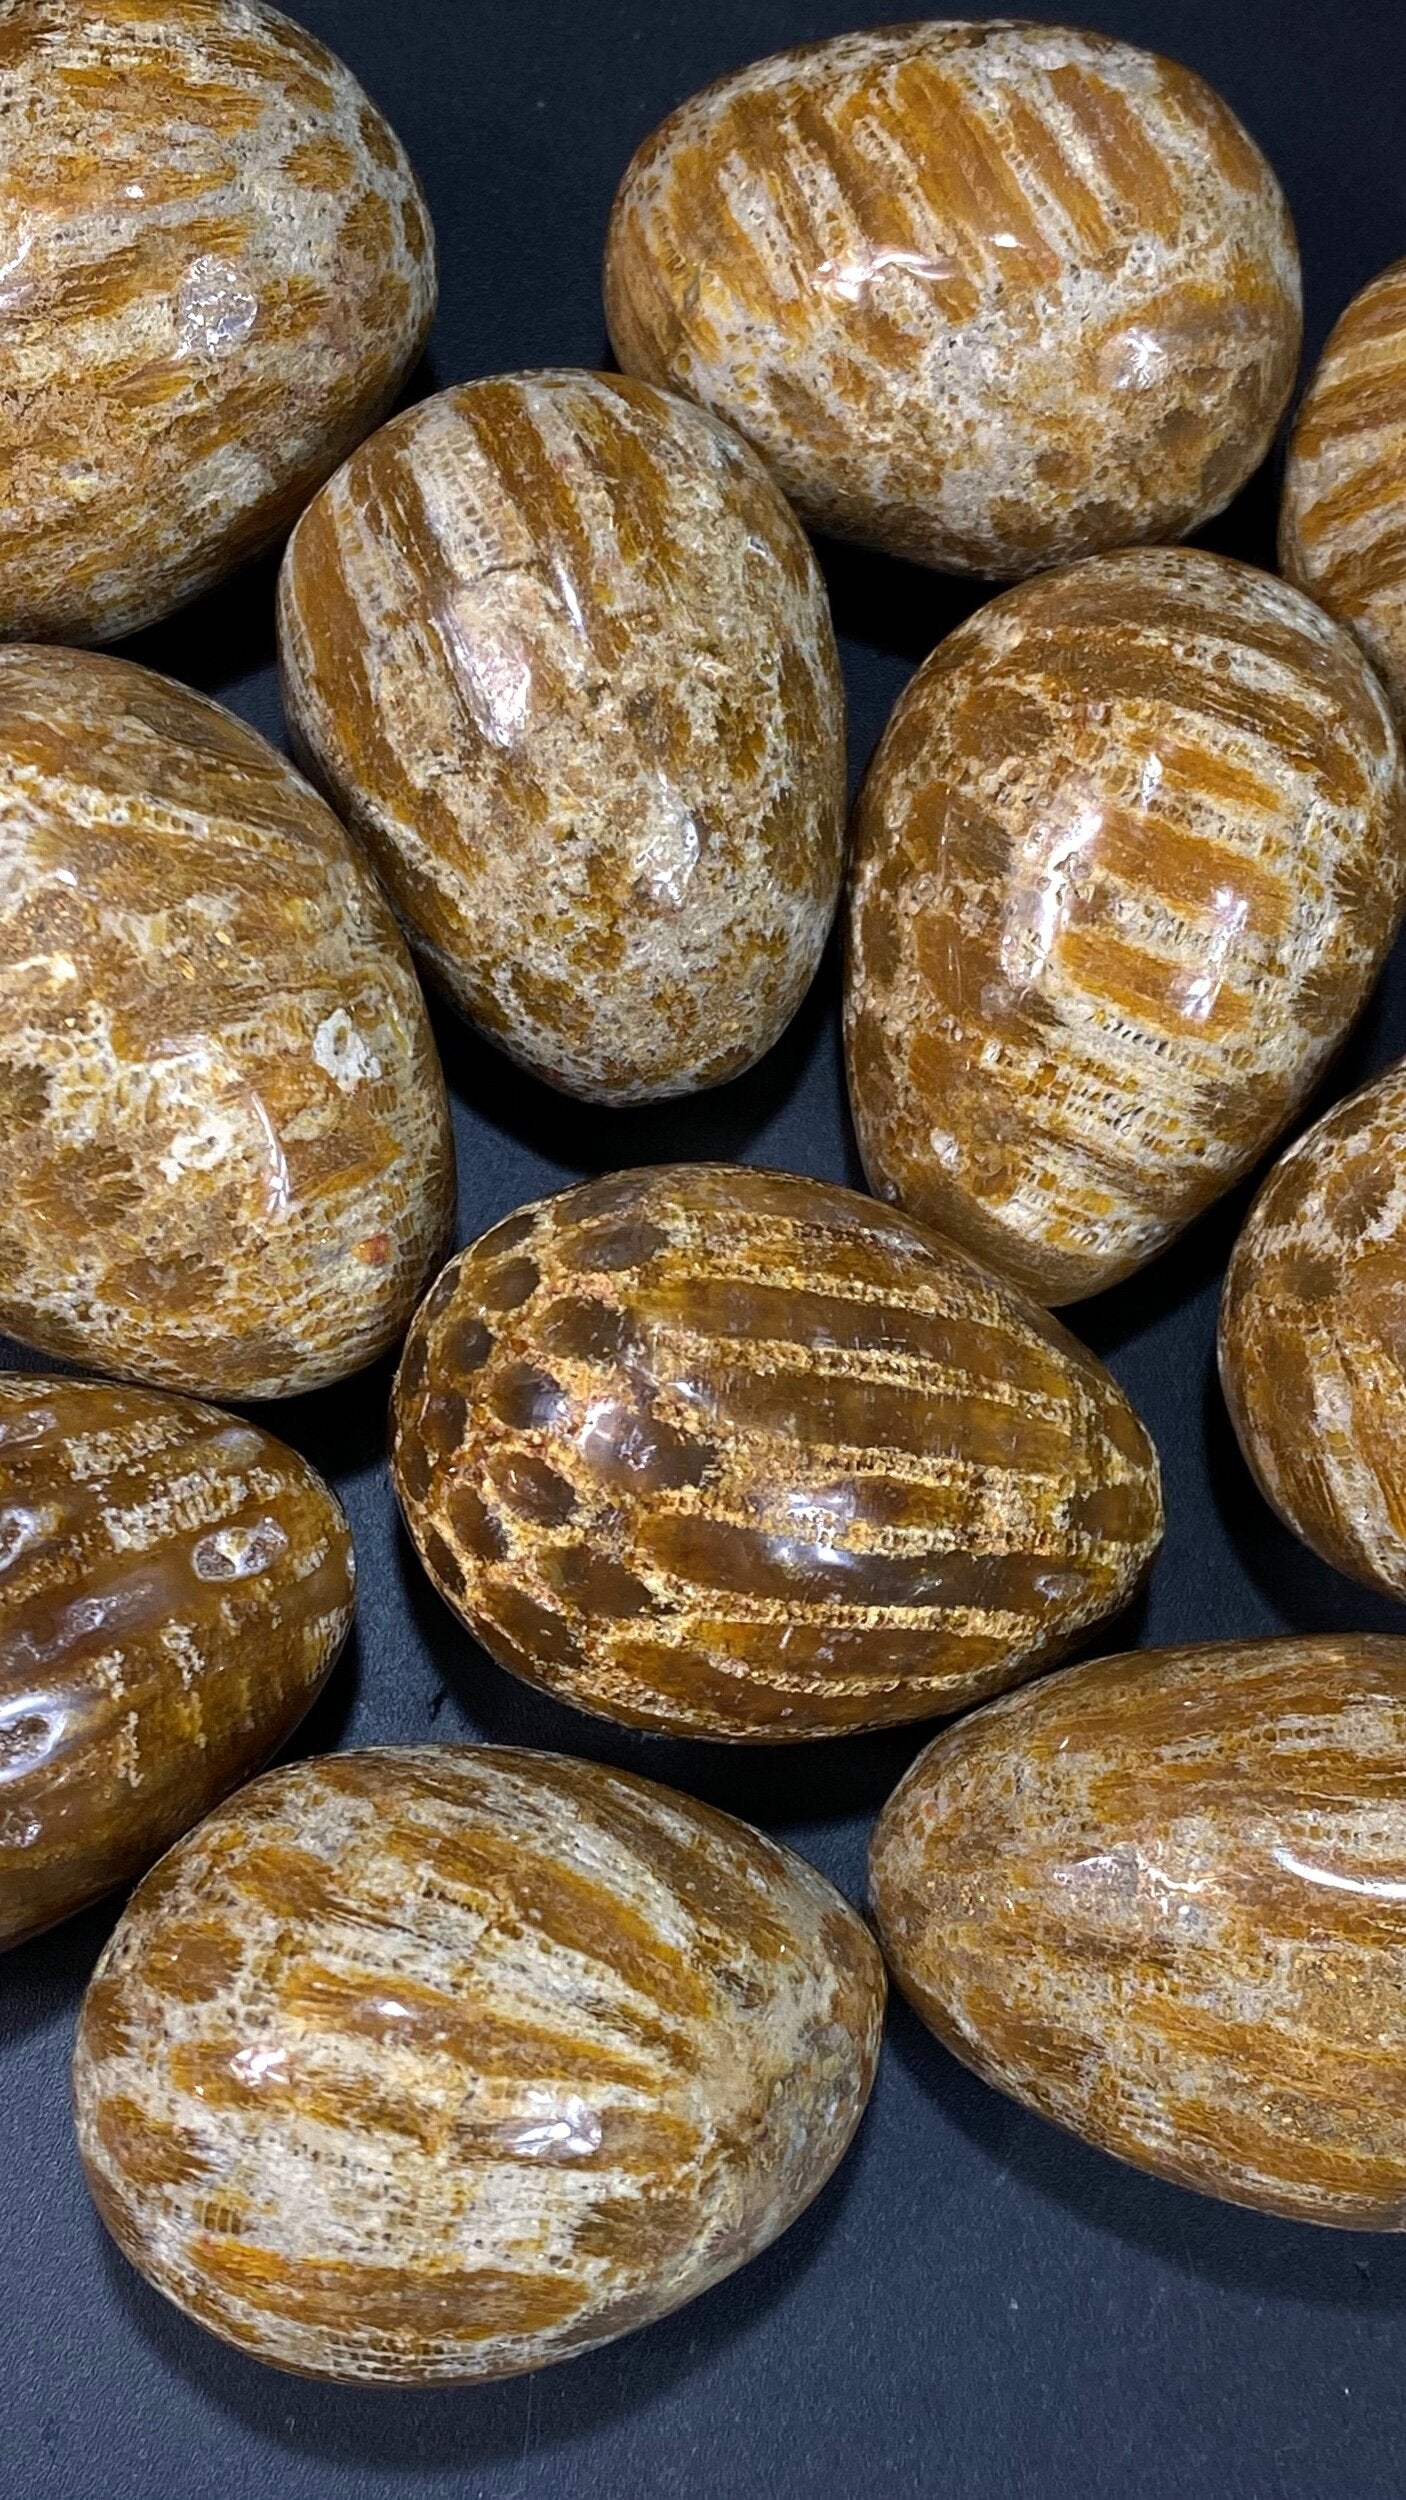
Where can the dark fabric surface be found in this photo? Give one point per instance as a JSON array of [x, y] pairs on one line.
[[978, 2306]]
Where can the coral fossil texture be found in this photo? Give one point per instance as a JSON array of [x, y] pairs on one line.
[[443, 2062], [990, 296], [736, 1454], [215, 270], [1342, 529], [1160, 1899], [174, 1586], [563, 657], [1313, 1336], [225, 1154], [1129, 857]]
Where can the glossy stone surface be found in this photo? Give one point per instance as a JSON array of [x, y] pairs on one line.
[[730, 1453], [1160, 1899], [174, 1587], [1313, 1336], [439, 2063], [1342, 523], [990, 296], [560, 652], [217, 270], [225, 1154], [1129, 857]]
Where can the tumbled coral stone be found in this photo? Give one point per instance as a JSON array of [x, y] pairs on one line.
[[563, 656], [174, 1587], [1129, 857], [217, 270], [989, 296], [1313, 1336], [225, 1153], [1159, 1899], [1342, 524], [731, 1453], [440, 2063]]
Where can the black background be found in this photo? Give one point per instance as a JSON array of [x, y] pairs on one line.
[[978, 2307]]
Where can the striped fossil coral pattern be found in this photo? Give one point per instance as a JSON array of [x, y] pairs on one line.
[[737, 1454], [1127, 861], [1342, 532], [225, 1155], [989, 296], [1159, 1898], [217, 270], [1312, 1344], [437, 2063], [174, 1586], [563, 657]]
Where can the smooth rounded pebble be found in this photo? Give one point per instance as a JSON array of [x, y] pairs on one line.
[[225, 1154], [731, 1453], [1159, 1899], [990, 296], [563, 657], [1342, 522], [434, 2064], [1130, 856], [1313, 1336], [217, 271], [174, 1587]]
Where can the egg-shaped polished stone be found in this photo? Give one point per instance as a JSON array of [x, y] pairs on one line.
[[1129, 857], [731, 1453], [1342, 523], [174, 1587], [216, 269], [1313, 1336], [440, 2063], [225, 1154], [563, 657], [1161, 1899], [988, 295]]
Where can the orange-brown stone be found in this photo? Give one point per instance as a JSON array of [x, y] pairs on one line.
[[1161, 1899], [439, 2063], [218, 269], [1129, 857], [562, 655], [986, 295], [225, 1153], [730, 1453], [174, 1587]]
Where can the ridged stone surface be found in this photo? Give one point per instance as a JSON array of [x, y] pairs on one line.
[[216, 270], [1313, 1336], [174, 1587], [1162, 1899], [1342, 526], [439, 2063], [1129, 857], [563, 657], [225, 1154], [735, 1454], [990, 296]]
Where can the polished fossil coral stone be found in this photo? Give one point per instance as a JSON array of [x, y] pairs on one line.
[[1129, 857], [441, 2063], [1158, 1898], [989, 296], [225, 1154], [218, 269], [563, 657], [1342, 524], [174, 1587], [1313, 1336], [730, 1453]]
